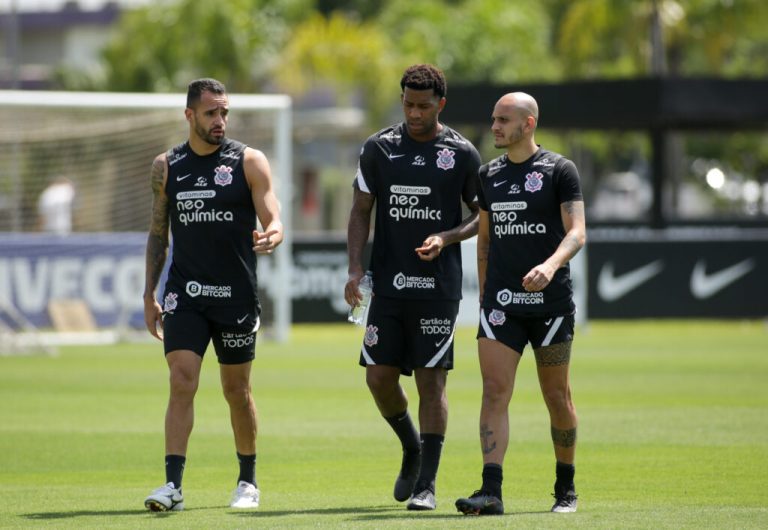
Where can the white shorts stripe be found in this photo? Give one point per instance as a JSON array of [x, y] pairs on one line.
[[486, 327], [368, 360], [552, 331], [433, 361]]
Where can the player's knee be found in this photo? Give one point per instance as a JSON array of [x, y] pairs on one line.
[[236, 394], [183, 384], [557, 398], [496, 391]]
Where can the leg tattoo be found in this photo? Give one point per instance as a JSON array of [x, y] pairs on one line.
[[485, 439], [564, 438], [553, 355]]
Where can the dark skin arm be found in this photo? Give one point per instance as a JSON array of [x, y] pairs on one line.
[[157, 247], [435, 243], [483, 244], [357, 236]]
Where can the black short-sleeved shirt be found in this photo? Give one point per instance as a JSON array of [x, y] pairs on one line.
[[212, 219], [418, 187], [525, 228]]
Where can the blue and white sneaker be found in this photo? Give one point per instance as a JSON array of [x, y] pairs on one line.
[[165, 498]]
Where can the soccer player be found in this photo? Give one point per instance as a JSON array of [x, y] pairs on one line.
[[531, 225], [418, 171], [208, 191]]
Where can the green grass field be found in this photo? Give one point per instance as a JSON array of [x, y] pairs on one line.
[[673, 434]]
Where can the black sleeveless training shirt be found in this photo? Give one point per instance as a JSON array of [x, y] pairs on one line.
[[419, 187], [212, 219]]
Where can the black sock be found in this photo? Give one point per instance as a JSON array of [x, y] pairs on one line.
[[492, 478], [564, 477], [174, 469], [431, 447], [406, 431], [247, 468]]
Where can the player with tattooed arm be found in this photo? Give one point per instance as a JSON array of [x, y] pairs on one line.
[[531, 225]]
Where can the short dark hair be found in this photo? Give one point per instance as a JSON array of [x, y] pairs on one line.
[[198, 86], [424, 77]]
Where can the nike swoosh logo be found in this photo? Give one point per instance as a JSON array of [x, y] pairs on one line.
[[438, 343], [179, 179], [392, 157], [704, 285], [497, 184], [241, 320], [611, 287]]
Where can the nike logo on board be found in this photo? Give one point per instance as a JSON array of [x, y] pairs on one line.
[[611, 287], [179, 179], [704, 285]]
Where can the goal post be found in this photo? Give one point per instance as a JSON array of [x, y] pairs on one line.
[[105, 142]]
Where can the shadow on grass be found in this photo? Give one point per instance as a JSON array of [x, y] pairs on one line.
[[341, 510], [42, 516], [357, 513], [370, 513]]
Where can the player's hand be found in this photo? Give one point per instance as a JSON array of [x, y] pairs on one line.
[[431, 248], [352, 293], [153, 318], [538, 278], [266, 242]]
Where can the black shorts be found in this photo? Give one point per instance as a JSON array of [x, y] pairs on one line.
[[232, 329], [515, 331], [410, 333]]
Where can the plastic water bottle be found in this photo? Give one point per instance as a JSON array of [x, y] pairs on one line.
[[357, 313]]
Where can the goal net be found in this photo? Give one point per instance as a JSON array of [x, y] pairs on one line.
[[104, 145]]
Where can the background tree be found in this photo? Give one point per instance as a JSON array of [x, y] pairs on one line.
[[473, 40], [162, 46], [604, 38], [351, 57]]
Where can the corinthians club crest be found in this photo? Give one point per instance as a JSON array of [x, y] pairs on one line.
[[497, 318], [371, 336], [223, 176], [445, 159], [533, 181], [170, 302]]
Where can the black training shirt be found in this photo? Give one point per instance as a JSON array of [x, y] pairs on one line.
[[418, 188], [525, 228]]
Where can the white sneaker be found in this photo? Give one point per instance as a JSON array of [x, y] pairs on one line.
[[246, 495], [165, 498]]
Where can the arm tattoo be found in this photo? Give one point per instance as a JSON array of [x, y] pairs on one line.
[[157, 241], [157, 252], [564, 438], [553, 355], [569, 207], [571, 243], [485, 439]]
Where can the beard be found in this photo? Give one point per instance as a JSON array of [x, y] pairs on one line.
[[512, 139], [207, 136]]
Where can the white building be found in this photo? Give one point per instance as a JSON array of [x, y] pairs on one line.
[[41, 36]]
